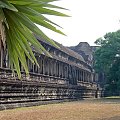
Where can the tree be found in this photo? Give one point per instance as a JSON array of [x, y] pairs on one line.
[[107, 59], [17, 25]]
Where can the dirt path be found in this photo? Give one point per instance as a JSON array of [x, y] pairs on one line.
[[81, 110]]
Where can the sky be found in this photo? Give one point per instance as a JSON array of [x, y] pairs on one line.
[[90, 20]]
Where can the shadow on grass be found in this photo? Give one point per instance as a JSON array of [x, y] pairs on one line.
[[112, 118], [103, 100]]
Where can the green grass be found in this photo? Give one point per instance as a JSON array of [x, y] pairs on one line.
[[113, 97]]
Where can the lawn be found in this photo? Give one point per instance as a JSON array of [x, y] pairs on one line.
[[79, 110]]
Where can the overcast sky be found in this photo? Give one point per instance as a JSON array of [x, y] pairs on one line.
[[91, 19]]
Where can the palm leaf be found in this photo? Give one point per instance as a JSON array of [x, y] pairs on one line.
[[19, 18], [6, 4]]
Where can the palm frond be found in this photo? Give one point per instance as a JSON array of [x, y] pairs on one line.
[[18, 19]]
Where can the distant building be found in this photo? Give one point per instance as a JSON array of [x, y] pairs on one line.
[[87, 51]]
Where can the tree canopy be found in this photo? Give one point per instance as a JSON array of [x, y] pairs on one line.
[[107, 59], [18, 19]]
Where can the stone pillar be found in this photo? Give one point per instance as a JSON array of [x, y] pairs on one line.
[[90, 77], [85, 77], [60, 70], [39, 62], [48, 67], [66, 73], [82, 76], [35, 65], [1, 58], [77, 74], [63, 71], [7, 60], [86, 74], [43, 66], [53, 70], [51, 67], [57, 67]]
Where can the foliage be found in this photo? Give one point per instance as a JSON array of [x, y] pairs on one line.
[[107, 59], [17, 25]]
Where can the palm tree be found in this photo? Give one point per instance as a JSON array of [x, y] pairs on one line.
[[18, 19]]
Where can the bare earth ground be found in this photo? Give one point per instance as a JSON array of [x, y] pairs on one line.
[[79, 110]]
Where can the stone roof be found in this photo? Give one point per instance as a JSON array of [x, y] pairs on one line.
[[70, 52], [64, 49]]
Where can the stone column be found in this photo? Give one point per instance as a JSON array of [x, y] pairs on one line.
[[51, 67], [57, 67], [76, 74], [1, 58], [53, 70], [85, 76], [79, 75], [43, 66], [48, 67], [36, 67], [89, 78], [92, 77], [7, 60], [66, 71], [82, 76], [60, 70], [39, 62]]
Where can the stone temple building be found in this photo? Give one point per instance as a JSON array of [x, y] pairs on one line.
[[65, 75], [87, 51]]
